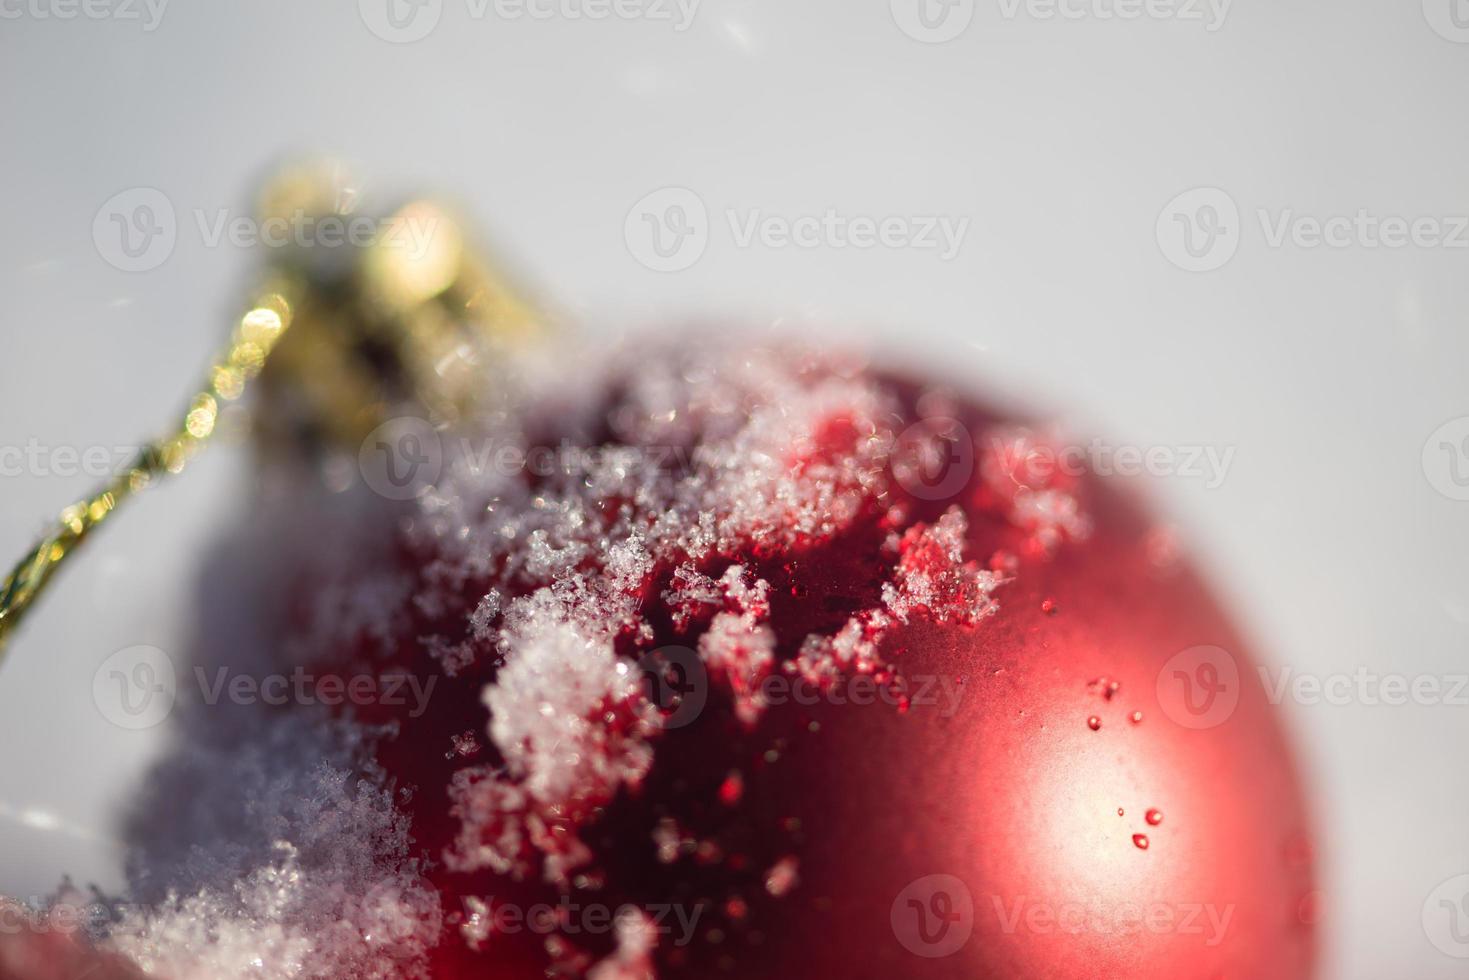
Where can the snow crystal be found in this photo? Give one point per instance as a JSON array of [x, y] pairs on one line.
[[272, 851], [637, 936], [933, 577], [691, 596], [823, 659], [484, 615], [570, 721], [1022, 469], [547, 704]]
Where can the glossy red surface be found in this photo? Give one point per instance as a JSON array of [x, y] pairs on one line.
[[989, 817]]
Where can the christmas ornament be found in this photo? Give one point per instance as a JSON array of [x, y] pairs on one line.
[[697, 659]]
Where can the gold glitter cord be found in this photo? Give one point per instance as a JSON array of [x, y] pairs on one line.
[[254, 337]]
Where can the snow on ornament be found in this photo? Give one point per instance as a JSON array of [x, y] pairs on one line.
[[739, 659]]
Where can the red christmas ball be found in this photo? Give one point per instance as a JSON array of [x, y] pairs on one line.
[[755, 663], [720, 661]]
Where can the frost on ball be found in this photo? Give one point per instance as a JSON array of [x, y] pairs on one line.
[[742, 503]]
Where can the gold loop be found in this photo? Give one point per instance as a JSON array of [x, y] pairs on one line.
[[254, 337]]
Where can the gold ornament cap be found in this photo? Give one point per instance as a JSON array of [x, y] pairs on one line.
[[401, 311]]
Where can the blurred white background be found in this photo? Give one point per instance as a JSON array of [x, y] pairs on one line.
[[1061, 140]]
